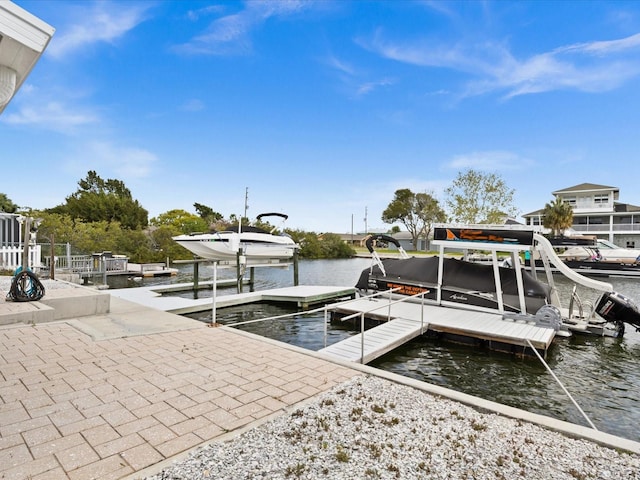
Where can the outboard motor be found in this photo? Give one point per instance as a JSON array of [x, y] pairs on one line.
[[618, 308]]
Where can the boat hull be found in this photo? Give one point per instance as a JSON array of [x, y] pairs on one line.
[[229, 246], [595, 268]]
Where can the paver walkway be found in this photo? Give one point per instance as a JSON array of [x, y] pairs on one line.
[[72, 407]]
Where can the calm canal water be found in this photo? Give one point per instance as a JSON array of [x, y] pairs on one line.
[[602, 374]]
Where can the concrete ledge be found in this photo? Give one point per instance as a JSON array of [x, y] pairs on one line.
[[65, 301], [76, 302], [25, 312]]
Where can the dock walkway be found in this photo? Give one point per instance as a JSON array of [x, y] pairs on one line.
[[303, 296], [407, 320]]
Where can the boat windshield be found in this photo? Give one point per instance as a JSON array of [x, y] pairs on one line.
[[605, 244]]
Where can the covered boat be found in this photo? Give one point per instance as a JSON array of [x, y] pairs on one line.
[[463, 282], [452, 282]]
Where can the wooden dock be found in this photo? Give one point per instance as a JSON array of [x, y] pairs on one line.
[[407, 320]]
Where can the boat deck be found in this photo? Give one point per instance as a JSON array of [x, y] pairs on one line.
[[407, 320]]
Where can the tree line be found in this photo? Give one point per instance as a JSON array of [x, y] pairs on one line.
[[102, 215]]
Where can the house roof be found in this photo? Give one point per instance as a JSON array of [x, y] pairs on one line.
[[585, 187], [626, 207], [23, 38]]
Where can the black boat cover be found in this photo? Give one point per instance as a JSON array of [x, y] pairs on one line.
[[457, 273]]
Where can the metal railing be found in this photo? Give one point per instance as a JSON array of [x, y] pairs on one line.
[[604, 228], [387, 306]]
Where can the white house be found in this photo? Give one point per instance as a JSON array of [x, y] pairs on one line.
[[597, 211]]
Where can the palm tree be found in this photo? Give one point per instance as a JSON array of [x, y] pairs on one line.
[[558, 216]]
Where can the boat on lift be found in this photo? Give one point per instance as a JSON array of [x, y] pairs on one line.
[[254, 243], [513, 292], [593, 256]]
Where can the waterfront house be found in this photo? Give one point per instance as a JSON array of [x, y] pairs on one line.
[[598, 211]]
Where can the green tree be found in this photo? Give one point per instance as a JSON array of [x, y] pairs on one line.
[[97, 200], [416, 211], [332, 246], [476, 197], [164, 246], [558, 216], [207, 213], [55, 225], [310, 245], [180, 221], [6, 205]]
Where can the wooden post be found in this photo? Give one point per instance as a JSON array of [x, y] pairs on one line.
[[295, 268], [196, 275], [252, 278], [25, 243], [238, 270], [214, 294], [52, 266]]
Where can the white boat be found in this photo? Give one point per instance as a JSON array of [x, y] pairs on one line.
[[252, 243], [593, 256], [602, 251]]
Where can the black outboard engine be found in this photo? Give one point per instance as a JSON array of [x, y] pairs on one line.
[[618, 308]]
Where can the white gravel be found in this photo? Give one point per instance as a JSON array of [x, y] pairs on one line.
[[370, 428]]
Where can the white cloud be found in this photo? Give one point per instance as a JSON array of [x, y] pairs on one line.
[[50, 115], [100, 22], [193, 105], [231, 34], [589, 67], [126, 162], [496, 160]]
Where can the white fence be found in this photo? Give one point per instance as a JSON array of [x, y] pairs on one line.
[[11, 257]]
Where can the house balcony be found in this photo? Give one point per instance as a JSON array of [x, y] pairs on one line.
[[605, 228], [596, 208]]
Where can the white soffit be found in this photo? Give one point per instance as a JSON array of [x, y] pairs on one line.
[[23, 38]]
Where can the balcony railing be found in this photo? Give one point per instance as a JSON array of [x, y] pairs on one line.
[[617, 227]]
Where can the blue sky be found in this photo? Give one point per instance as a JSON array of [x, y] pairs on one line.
[[324, 109]]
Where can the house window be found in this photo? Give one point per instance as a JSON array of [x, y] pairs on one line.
[[570, 200], [601, 199]]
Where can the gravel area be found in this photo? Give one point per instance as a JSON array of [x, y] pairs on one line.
[[370, 428]]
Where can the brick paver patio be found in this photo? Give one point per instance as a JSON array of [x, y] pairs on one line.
[[72, 407]]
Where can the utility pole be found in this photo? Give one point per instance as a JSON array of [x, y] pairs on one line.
[[352, 229], [366, 228], [246, 201]]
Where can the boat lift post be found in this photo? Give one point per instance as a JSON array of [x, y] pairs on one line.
[[213, 294]]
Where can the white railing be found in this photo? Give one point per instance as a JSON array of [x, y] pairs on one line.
[[11, 257], [88, 264], [617, 227]]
